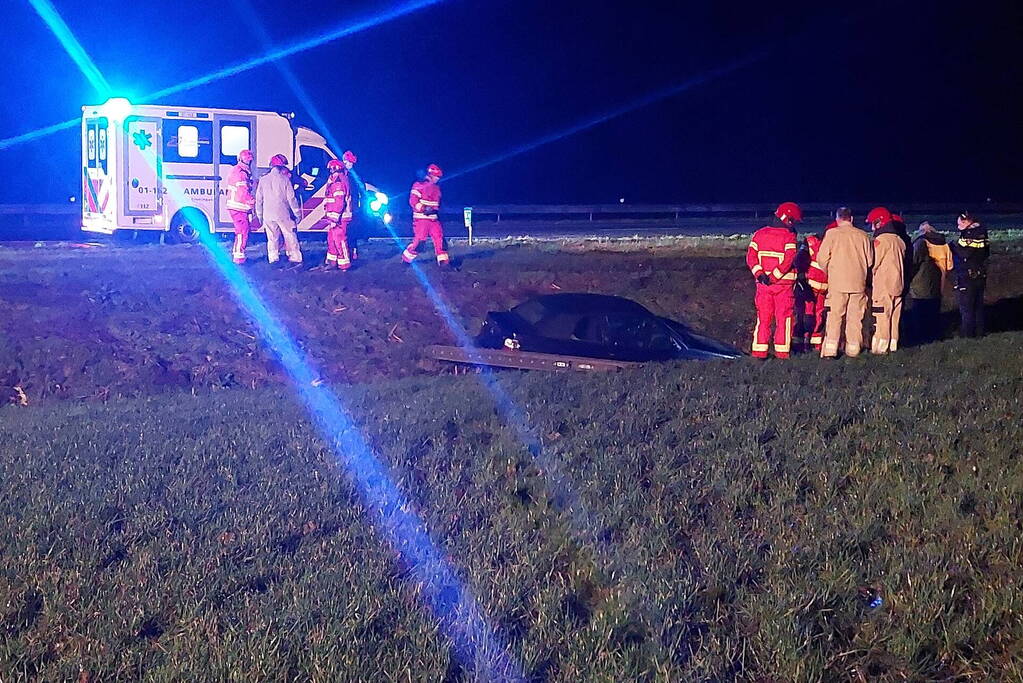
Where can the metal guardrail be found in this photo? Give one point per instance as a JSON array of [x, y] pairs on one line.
[[677, 212]]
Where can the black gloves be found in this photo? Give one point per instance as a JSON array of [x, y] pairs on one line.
[[763, 279]]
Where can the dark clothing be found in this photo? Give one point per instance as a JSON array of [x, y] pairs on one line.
[[969, 255], [969, 264], [927, 275], [923, 321], [971, 308]]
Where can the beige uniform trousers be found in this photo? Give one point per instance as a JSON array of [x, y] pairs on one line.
[[850, 308], [274, 229], [887, 314]]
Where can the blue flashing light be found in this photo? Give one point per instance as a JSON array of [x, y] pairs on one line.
[[116, 108], [375, 206], [382, 198]]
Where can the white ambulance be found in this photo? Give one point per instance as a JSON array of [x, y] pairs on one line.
[[154, 167]]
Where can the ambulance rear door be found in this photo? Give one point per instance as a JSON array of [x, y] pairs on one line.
[[97, 176]]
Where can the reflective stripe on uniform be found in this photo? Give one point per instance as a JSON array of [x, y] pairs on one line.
[[787, 346], [775, 254], [424, 216], [973, 244]]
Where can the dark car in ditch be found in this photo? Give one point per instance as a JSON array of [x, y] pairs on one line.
[[582, 332]]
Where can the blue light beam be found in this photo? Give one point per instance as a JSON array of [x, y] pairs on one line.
[[248, 14], [476, 643], [226, 72], [610, 114], [62, 32], [308, 44], [559, 483]]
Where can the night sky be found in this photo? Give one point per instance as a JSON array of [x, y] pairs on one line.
[[858, 102]]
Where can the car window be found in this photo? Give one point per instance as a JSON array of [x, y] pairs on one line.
[[589, 329], [557, 326], [637, 332], [530, 311]]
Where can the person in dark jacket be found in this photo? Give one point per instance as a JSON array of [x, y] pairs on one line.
[[932, 259], [970, 253]]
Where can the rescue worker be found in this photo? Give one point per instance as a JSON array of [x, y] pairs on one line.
[[846, 255], [240, 202], [277, 209], [970, 253], [811, 291], [771, 258], [425, 202], [932, 259], [887, 282], [338, 207]]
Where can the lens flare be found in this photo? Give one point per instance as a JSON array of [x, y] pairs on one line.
[[343, 31], [644, 101], [248, 13], [48, 13], [340, 32], [475, 643]]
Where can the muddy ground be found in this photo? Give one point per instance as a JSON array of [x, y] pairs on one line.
[[85, 322]]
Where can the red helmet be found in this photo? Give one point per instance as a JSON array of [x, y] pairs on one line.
[[334, 165], [434, 170], [245, 156], [879, 215], [350, 157], [789, 211], [279, 160]]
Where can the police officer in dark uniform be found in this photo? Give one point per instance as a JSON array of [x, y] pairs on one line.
[[970, 253]]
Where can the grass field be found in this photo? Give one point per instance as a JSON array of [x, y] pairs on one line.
[[93, 324], [856, 520]]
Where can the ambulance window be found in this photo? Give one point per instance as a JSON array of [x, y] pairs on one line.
[[233, 139], [188, 142], [102, 144], [313, 167]]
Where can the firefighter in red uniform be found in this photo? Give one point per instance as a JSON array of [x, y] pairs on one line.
[[810, 293], [771, 257], [425, 202], [240, 201], [338, 206]]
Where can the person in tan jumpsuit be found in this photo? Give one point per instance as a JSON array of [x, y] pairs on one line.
[[887, 281], [846, 255]]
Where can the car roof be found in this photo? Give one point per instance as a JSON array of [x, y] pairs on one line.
[[587, 304]]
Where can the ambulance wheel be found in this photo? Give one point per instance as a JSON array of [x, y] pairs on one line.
[[186, 226]]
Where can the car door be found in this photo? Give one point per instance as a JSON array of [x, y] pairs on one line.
[[633, 337]]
